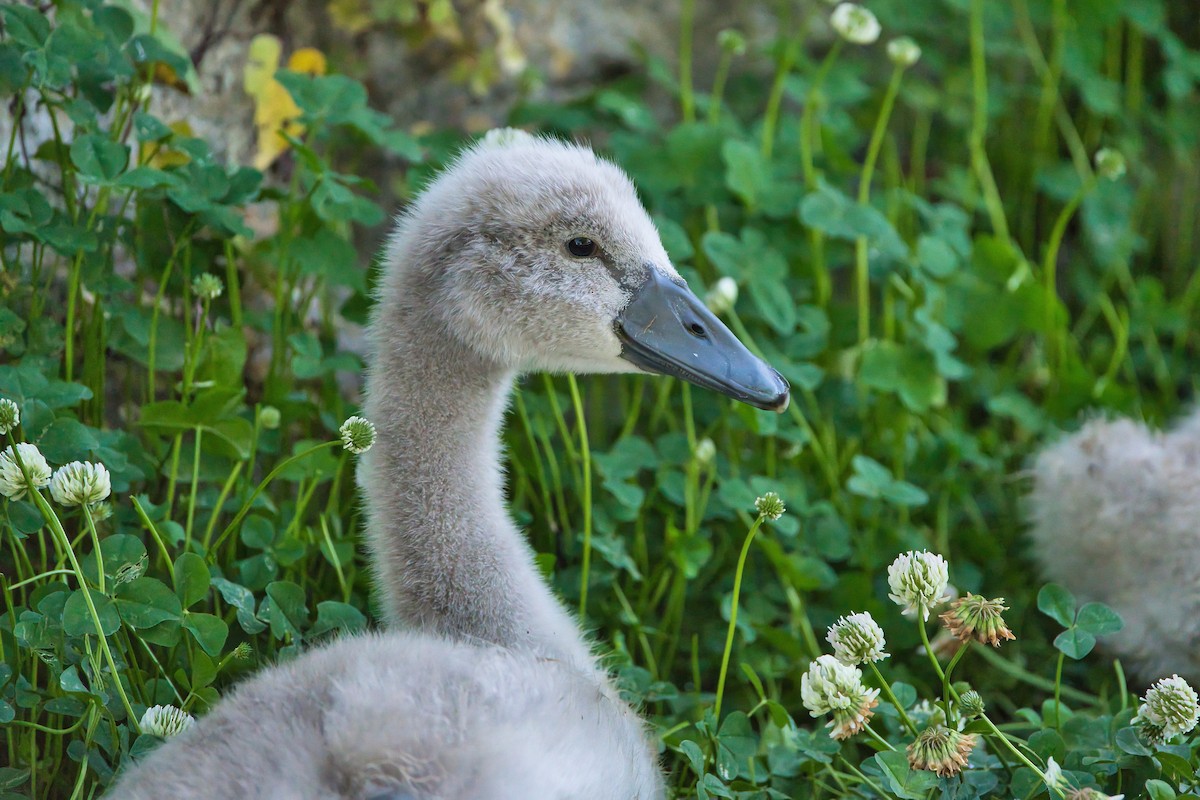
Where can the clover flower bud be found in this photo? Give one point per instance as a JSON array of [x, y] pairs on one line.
[[731, 41], [971, 704], [80, 483], [13, 481], [857, 639], [904, 51], [769, 506], [940, 749], [1110, 163], [270, 417], [723, 295], [975, 617], [10, 415], [855, 23], [165, 721], [831, 687], [358, 435], [1169, 709], [504, 137], [706, 451], [207, 286], [918, 581], [1054, 778]]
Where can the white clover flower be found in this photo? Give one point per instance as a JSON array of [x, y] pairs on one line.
[[706, 451], [855, 24], [769, 506], [723, 295], [165, 721], [357, 435], [1054, 775], [10, 415], [208, 286], [857, 639], [1170, 708], [904, 51], [79, 483], [13, 484], [1110, 163], [918, 581], [831, 687]]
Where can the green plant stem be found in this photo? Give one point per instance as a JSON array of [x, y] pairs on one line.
[[808, 117], [91, 526], [64, 542], [877, 738], [861, 264], [220, 504], [1034, 680], [1058, 671], [585, 455], [999, 734], [280, 467], [1054, 344], [191, 509], [687, 13], [717, 98], [733, 611], [979, 125], [158, 539], [775, 98], [891, 698]]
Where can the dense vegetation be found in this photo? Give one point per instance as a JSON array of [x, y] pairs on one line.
[[931, 253]]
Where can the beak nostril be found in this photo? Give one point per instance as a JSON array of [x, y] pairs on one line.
[[697, 330]]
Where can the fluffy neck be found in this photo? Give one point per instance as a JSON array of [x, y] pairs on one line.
[[449, 560]]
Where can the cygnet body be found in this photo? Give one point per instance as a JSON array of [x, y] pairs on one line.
[[526, 254]]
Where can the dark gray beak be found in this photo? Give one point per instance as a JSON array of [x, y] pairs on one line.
[[667, 329]]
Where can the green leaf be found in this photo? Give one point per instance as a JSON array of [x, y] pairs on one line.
[[150, 128], [242, 599], [191, 579], [936, 257], [287, 612], [1057, 603], [1159, 790], [67, 440], [98, 157], [209, 631], [1075, 643], [839, 216], [1098, 619], [25, 25], [907, 371], [145, 602], [120, 552], [77, 618], [903, 780], [747, 173], [335, 616], [1129, 742]]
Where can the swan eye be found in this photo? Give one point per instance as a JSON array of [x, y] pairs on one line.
[[581, 247]]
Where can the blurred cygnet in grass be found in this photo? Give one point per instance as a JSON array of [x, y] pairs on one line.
[[1115, 513]]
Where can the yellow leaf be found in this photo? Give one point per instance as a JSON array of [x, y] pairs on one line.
[[308, 60], [274, 110], [350, 15], [262, 59], [157, 155]]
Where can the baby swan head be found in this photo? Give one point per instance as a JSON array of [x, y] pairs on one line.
[[537, 255]]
